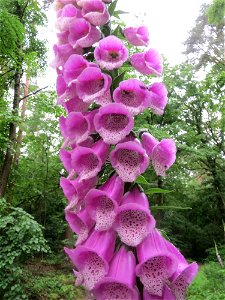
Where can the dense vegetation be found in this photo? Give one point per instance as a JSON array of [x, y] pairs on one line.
[[32, 221]]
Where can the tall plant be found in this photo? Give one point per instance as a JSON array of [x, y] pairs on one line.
[[119, 252]]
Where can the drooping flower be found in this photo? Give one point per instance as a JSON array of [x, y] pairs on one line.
[[75, 104], [156, 263], [111, 53], [92, 257], [163, 156], [76, 127], [166, 295], [83, 34], [80, 223], [148, 142], [157, 97], [137, 36], [65, 16], [113, 122], [129, 159], [95, 12], [102, 203], [73, 67], [120, 281], [147, 63], [133, 94], [93, 84], [133, 220], [87, 162]]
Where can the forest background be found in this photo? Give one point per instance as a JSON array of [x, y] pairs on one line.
[[188, 204]]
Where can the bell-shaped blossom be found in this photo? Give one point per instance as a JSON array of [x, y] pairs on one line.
[[184, 274], [80, 223], [65, 16], [166, 295], [92, 257], [133, 220], [129, 159], [157, 98], [147, 63], [62, 53], [102, 203], [156, 263], [83, 34], [65, 157], [62, 37], [76, 189], [87, 162], [148, 142], [76, 127], [111, 53], [133, 94], [163, 156], [92, 84], [75, 104], [113, 122], [61, 87], [73, 67], [95, 11], [137, 36], [120, 281]]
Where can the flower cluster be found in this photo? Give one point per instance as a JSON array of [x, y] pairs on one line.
[[117, 240]]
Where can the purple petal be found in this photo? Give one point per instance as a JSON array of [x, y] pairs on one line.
[[148, 142], [65, 16], [95, 12], [137, 36], [73, 67], [158, 98]]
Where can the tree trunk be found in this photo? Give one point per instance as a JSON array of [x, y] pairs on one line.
[[7, 163]]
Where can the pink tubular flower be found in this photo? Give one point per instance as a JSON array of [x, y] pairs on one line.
[[157, 97], [83, 34], [73, 68], [163, 156], [92, 84], [65, 157], [61, 87], [111, 53], [95, 12], [147, 63], [166, 295], [129, 160], [156, 263], [75, 104], [120, 281], [87, 162], [80, 223], [92, 257], [65, 16], [113, 122], [148, 142], [133, 94], [77, 127], [137, 36], [102, 203], [133, 220]]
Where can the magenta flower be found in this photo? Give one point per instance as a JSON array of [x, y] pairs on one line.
[[148, 142], [92, 84], [87, 162], [137, 36], [129, 160], [120, 281], [133, 220], [77, 127], [80, 223], [163, 156], [92, 257], [75, 104], [74, 67], [133, 94], [62, 37], [113, 122], [147, 63], [166, 295], [65, 157], [61, 87], [65, 16], [156, 263], [83, 34], [111, 53], [95, 12], [158, 97], [102, 203]]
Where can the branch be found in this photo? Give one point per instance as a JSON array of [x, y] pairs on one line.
[[34, 93]]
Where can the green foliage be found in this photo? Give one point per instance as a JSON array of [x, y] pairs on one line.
[[20, 237], [209, 283], [216, 12]]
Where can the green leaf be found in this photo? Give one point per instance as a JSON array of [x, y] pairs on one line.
[[118, 79], [112, 7], [169, 207], [141, 180], [117, 13], [157, 191]]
